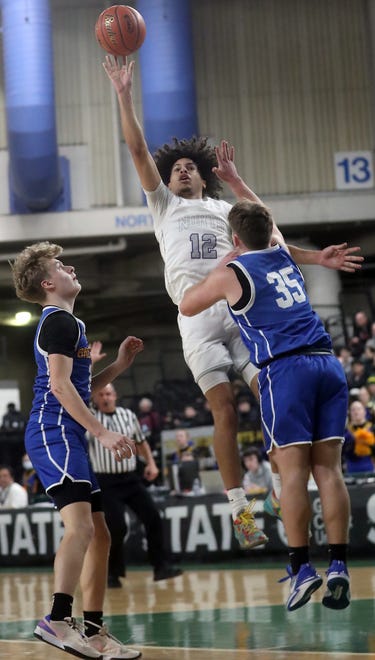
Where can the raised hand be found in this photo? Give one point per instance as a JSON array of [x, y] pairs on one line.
[[96, 352], [120, 75], [341, 257], [128, 349], [226, 169]]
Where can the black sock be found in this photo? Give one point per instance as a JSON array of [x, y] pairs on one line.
[[297, 557], [93, 621], [61, 606], [337, 551]]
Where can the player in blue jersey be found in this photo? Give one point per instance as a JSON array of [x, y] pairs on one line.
[[302, 387], [56, 444]]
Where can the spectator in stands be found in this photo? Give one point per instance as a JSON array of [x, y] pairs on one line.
[[370, 387], [189, 417], [184, 467], [357, 376], [359, 445], [206, 417], [369, 357], [13, 420], [170, 420], [344, 355], [364, 397], [151, 423], [258, 476], [12, 494], [185, 450], [205, 454], [361, 333], [248, 413]]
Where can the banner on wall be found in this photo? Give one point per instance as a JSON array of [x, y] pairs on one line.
[[196, 529]]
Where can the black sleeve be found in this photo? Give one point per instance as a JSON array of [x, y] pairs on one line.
[[246, 288], [59, 334]]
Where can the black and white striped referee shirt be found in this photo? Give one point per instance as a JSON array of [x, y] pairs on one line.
[[123, 421]]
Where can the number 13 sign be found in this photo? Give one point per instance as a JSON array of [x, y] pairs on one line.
[[354, 170]]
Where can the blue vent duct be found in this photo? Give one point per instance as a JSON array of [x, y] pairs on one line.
[[167, 69], [35, 179]]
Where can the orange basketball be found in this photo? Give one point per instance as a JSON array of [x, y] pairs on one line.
[[120, 30]]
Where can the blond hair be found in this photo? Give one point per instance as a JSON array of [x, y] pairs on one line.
[[30, 268]]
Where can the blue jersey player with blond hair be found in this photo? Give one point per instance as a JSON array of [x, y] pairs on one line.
[[302, 389], [55, 440]]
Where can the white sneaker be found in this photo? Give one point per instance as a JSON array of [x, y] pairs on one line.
[[110, 647], [67, 636]]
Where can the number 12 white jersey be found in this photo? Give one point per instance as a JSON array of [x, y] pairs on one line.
[[193, 236]]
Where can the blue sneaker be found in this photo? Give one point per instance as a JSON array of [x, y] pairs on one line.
[[337, 596], [302, 586]]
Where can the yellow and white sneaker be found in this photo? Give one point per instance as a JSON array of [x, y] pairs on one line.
[[246, 531]]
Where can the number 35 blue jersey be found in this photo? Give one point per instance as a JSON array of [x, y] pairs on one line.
[[274, 314]]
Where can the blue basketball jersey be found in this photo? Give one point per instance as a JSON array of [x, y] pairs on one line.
[[46, 409], [276, 317]]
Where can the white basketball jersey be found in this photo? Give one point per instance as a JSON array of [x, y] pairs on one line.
[[193, 236]]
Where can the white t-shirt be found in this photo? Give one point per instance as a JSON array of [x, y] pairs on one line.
[[13, 497], [193, 235]]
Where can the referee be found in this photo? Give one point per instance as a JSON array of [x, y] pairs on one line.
[[121, 486]]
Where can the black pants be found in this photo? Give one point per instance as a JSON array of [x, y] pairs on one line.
[[119, 490]]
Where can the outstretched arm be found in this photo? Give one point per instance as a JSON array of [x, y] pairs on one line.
[[121, 76], [337, 257]]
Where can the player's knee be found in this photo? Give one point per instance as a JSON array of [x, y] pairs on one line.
[[103, 536], [225, 409], [82, 533]]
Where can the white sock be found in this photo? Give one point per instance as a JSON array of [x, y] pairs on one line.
[[238, 500], [276, 483]]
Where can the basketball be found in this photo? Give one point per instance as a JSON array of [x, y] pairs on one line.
[[120, 30]]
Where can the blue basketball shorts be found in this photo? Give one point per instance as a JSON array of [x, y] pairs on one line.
[[303, 399], [59, 452]]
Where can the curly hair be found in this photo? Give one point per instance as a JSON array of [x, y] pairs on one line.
[[30, 267], [201, 153]]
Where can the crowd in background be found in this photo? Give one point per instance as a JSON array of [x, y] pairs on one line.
[[179, 404]]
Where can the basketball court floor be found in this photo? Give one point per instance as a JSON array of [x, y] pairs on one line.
[[209, 613]]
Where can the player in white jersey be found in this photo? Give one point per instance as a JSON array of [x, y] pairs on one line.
[[193, 234], [181, 185]]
